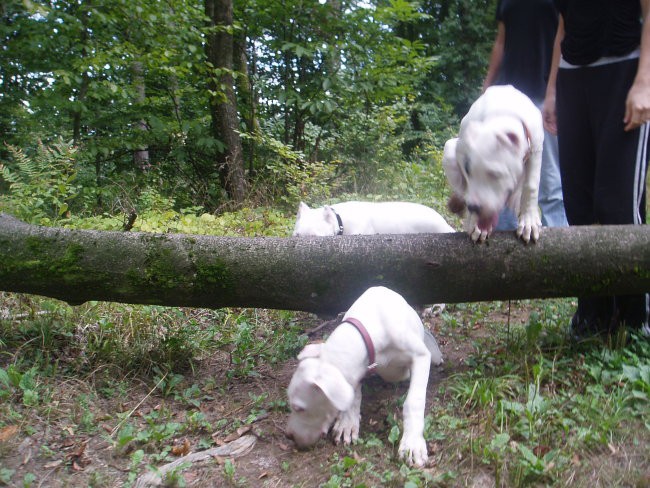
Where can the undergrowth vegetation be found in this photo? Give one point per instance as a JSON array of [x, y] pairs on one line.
[[97, 394]]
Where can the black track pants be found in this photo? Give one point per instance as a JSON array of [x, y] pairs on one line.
[[603, 168]]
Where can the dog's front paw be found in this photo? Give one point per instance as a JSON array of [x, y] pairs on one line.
[[434, 310], [479, 235], [413, 449], [529, 226], [475, 232], [346, 427]]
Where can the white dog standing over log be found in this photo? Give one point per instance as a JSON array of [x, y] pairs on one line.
[[380, 333], [496, 161], [350, 218]]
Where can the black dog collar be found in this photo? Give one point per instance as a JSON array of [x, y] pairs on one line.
[[340, 222]]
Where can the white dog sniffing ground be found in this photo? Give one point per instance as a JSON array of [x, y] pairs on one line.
[[349, 218], [496, 161], [379, 333]]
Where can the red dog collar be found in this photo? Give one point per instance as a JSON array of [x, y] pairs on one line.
[[366, 339]]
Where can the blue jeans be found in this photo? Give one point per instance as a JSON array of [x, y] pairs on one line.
[[550, 198]]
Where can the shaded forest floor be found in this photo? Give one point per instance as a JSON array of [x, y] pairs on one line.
[[62, 424]]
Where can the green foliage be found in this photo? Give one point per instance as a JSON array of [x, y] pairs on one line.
[[42, 186], [538, 404], [626, 371], [229, 471], [287, 177], [462, 41], [20, 384], [349, 90], [251, 343], [247, 221], [6, 475]]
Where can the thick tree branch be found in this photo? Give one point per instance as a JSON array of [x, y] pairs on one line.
[[319, 274]]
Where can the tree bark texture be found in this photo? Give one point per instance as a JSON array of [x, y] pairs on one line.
[[318, 274], [223, 102]]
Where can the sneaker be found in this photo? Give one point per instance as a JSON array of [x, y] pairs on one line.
[[582, 330]]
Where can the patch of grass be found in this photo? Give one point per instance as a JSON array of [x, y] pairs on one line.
[[526, 406], [265, 336], [539, 404]]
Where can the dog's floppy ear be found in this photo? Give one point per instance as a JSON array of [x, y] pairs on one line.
[[335, 387], [302, 208], [330, 215], [310, 351], [509, 139], [456, 179], [449, 164]]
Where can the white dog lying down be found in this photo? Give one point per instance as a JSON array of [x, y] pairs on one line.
[[496, 162], [350, 218], [326, 387]]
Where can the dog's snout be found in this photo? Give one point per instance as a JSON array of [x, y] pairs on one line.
[[474, 208]]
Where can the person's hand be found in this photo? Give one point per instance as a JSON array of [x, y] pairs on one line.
[[549, 114], [637, 105]]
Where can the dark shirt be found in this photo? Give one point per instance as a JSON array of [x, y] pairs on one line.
[[598, 28], [530, 27]]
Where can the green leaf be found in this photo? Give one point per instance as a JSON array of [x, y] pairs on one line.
[[4, 378], [529, 456], [349, 462], [5, 475], [393, 435], [499, 441]]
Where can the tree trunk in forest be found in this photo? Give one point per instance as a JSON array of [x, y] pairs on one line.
[[77, 112], [318, 274], [223, 102], [246, 92], [140, 155]]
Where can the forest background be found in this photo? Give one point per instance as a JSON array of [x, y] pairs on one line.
[[208, 104]]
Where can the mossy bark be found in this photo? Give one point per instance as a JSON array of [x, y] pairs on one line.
[[318, 274]]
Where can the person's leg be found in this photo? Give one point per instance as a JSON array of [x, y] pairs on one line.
[[621, 182], [551, 201], [507, 220], [621, 170], [577, 167], [576, 147]]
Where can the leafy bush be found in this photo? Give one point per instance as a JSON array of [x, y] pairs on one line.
[[288, 176]]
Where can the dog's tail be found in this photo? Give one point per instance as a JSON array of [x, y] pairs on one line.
[[432, 346]]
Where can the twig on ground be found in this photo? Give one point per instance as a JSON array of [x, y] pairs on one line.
[[237, 448]]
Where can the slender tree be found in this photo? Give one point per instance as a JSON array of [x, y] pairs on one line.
[[140, 154], [223, 101]]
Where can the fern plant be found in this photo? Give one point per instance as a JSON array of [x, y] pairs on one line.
[[42, 185]]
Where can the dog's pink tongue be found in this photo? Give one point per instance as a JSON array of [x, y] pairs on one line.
[[488, 223]]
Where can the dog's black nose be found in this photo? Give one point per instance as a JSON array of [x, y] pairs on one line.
[[474, 208]]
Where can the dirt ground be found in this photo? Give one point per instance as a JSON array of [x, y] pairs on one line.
[[60, 454]]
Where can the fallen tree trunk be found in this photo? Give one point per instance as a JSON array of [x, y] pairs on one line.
[[318, 274]]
